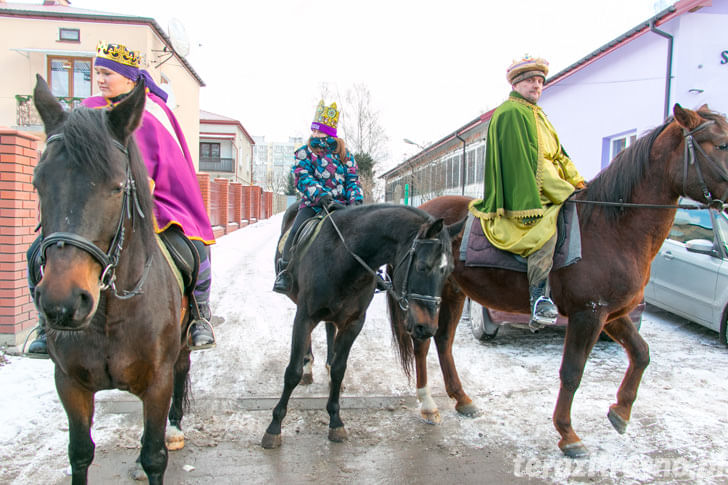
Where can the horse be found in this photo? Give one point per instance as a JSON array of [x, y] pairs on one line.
[[114, 311], [333, 281], [307, 378], [625, 214]]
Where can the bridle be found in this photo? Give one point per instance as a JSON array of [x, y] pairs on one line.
[[108, 260], [403, 298], [689, 159]]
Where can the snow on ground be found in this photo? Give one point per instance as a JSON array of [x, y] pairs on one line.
[[677, 433]]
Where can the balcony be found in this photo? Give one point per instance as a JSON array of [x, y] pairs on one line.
[[26, 114], [216, 164]]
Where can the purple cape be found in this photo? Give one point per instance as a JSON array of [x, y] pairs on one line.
[[177, 197]]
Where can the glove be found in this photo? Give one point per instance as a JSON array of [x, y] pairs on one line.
[[580, 186], [335, 205], [358, 202], [325, 201]]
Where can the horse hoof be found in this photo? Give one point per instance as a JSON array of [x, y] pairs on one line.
[[431, 417], [575, 450], [306, 379], [174, 438], [469, 410], [617, 421], [337, 435], [137, 472], [271, 441]]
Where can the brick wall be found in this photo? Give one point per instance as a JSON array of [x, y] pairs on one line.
[[18, 219]]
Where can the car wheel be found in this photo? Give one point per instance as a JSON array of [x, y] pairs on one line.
[[481, 325], [723, 334]]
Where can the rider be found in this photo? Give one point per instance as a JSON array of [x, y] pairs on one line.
[[178, 204], [528, 176], [326, 175]]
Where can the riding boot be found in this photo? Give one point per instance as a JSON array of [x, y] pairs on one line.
[[38, 348], [283, 278], [200, 334], [543, 309]]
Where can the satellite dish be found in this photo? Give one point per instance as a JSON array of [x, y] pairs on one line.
[[178, 37]]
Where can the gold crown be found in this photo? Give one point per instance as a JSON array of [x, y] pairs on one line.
[[118, 53], [327, 115]]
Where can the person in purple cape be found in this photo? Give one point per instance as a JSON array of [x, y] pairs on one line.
[[178, 206]]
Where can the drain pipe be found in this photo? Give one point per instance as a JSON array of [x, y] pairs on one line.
[[668, 76], [462, 165]]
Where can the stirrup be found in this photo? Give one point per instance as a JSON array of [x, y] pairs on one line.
[[540, 319], [188, 336], [37, 330]]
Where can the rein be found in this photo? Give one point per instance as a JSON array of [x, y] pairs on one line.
[[405, 296], [108, 260], [689, 159]]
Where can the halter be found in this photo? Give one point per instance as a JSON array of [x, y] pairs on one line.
[[108, 260], [403, 297], [690, 159]]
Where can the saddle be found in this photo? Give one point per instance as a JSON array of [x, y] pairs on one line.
[[477, 251], [184, 256], [303, 238]]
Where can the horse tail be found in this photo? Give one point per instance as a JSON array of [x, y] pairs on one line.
[[404, 347]]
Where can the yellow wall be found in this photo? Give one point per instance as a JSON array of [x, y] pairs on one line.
[[19, 68]]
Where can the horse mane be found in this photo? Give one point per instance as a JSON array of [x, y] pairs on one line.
[[88, 143], [617, 181]]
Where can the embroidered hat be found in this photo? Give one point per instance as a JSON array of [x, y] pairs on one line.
[[526, 68], [125, 62], [326, 118]]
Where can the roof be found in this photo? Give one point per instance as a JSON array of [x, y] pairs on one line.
[[84, 15], [218, 119], [678, 8]]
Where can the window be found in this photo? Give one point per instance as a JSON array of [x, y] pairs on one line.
[[70, 77], [691, 224], [69, 35], [612, 145], [209, 150]]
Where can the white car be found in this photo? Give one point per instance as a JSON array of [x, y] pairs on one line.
[[689, 276]]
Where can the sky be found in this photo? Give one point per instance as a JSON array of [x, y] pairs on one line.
[[430, 66], [680, 412]]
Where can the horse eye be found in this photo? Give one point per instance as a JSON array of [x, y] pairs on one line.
[[724, 146], [118, 189]]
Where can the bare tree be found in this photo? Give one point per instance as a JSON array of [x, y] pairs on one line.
[[363, 131]]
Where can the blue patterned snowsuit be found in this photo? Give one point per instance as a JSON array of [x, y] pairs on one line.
[[316, 175]]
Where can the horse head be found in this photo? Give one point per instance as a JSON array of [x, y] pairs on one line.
[[421, 274], [83, 181], [705, 170]]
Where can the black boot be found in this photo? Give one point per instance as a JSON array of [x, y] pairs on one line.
[[283, 278], [38, 348], [543, 309], [200, 334]]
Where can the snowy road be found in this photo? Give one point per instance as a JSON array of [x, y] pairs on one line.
[[678, 432]]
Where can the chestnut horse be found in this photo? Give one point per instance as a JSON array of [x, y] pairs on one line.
[[111, 302], [625, 214]]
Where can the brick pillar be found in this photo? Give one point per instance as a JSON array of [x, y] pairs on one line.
[[18, 218], [248, 203], [221, 205], [203, 179], [236, 200], [257, 193]]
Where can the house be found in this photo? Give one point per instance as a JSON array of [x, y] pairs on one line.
[[599, 104], [58, 41], [226, 148]]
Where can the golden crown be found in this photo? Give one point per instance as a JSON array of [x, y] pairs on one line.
[[118, 53], [327, 115]]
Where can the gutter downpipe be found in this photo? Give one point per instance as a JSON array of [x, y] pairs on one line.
[[462, 165], [668, 77]]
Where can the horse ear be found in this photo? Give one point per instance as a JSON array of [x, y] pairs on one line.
[[434, 229], [455, 229], [50, 110], [126, 116], [686, 118]]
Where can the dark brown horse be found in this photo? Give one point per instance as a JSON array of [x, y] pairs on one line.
[[687, 156], [111, 303], [334, 281]]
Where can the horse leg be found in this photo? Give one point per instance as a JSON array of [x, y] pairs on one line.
[[330, 335], [342, 345], [307, 377], [79, 405], [156, 402], [622, 330], [450, 311], [582, 333], [428, 408], [300, 340], [175, 438]]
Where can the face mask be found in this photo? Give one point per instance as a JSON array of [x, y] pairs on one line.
[[327, 143]]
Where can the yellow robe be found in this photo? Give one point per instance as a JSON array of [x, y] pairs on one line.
[[559, 177]]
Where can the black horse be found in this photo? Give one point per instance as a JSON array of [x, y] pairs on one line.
[[112, 306], [333, 281]]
